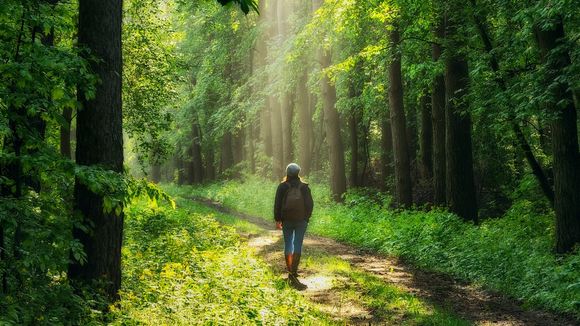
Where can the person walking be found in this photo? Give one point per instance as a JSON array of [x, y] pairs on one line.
[[292, 210]]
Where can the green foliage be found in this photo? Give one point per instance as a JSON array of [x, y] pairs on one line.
[[118, 190], [510, 254], [151, 76], [182, 268]]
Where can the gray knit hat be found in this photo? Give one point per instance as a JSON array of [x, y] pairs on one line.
[[292, 170]]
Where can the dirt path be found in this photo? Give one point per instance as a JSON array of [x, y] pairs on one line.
[[466, 301]]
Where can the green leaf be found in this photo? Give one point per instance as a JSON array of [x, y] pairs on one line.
[[57, 93]]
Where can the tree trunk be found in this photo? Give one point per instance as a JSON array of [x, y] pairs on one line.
[[181, 176], [210, 163], [354, 150], [156, 173], [188, 163], [426, 144], [277, 140], [438, 116], [238, 146], [461, 197], [196, 154], [251, 148], [287, 114], [564, 129], [266, 130], [386, 151], [333, 137], [403, 183], [412, 138], [227, 156], [100, 141], [305, 131]]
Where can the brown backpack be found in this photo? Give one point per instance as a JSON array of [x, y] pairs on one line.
[[293, 207]]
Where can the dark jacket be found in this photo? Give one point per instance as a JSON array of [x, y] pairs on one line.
[[281, 192]]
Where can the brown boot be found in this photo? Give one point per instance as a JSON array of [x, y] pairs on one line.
[[293, 276], [295, 262], [289, 262]]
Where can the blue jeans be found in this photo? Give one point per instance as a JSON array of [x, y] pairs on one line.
[[293, 236]]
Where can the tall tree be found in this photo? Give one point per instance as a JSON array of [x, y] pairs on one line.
[[438, 116], [461, 197], [100, 142], [274, 103], [563, 125], [426, 137], [333, 137], [403, 183], [305, 134], [386, 150], [284, 9]]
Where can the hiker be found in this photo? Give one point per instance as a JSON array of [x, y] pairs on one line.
[[292, 211]]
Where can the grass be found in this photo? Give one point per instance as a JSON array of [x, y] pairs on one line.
[[511, 254], [182, 267]]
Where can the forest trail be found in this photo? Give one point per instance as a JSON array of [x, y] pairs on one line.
[[464, 300]]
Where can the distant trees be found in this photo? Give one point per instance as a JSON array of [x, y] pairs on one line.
[[437, 103]]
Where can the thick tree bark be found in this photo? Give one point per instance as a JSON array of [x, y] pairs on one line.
[[100, 141], [333, 137], [426, 143], [438, 116], [564, 129], [305, 131], [461, 196], [403, 183]]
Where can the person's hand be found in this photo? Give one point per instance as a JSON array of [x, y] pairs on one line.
[[278, 225]]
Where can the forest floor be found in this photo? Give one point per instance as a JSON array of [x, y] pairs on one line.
[[365, 288]]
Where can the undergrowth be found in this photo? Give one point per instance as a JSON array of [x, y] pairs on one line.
[[511, 254], [181, 267]]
